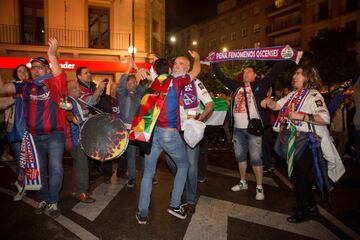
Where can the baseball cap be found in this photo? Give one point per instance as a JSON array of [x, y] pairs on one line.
[[41, 60]]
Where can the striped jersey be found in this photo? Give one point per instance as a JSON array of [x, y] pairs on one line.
[[41, 98], [169, 116]]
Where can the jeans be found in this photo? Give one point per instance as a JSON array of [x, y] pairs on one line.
[[357, 145], [51, 145], [192, 176], [16, 151], [131, 160], [243, 142], [80, 170], [168, 140]]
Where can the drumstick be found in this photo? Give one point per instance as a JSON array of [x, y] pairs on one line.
[[96, 109]]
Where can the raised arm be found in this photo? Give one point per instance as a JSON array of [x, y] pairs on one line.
[[55, 66], [228, 82], [196, 66]]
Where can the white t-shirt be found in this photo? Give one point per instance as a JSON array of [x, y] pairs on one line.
[[239, 110], [313, 104], [202, 96]]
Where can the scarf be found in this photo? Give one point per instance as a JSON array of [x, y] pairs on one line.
[[268, 53], [297, 99], [150, 106]]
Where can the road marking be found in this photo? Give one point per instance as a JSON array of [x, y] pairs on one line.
[[233, 173], [103, 194], [211, 218], [62, 220], [323, 212]]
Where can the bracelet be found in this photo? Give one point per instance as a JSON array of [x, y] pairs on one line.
[[311, 118], [304, 117]]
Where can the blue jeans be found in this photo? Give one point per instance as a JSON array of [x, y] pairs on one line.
[[170, 142], [245, 143], [357, 145], [16, 151], [51, 145], [193, 155], [131, 160]]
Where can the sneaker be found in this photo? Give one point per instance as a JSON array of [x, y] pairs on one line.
[[19, 195], [240, 186], [131, 183], [260, 194], [154, 181], [188, 208], [140, 219], [83, 197], [202, 180], [52, 210], [41, 207], [178, 212]]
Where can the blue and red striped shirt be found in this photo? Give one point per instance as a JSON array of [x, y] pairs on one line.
[[169, 116], [41, 103]]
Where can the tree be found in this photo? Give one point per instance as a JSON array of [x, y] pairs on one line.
[[333, 55]]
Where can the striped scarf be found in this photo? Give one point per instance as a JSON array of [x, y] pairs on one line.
[[150, 106], [297, 99]]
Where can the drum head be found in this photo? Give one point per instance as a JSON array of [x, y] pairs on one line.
[[104, 137]]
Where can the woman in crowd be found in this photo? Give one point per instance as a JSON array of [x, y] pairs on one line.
[[305, 108]]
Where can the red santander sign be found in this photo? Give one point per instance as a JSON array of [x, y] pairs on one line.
[[72, 65]]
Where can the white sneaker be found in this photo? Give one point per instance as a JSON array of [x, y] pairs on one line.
[[260, 194], [240, 186], [52, 210], [19, 195]]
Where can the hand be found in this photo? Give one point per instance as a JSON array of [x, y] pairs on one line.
[[144, 73], [53, 46], [76, 120], [131, 62], [194, 54], [265, 102], [102, 84]]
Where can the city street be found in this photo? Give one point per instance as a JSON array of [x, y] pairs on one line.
[[220, 213]]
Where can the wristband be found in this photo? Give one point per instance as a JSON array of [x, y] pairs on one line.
[[311, 117], [304, 117]]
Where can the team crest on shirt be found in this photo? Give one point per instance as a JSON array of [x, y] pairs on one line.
[[319, 103], [201, 86], [188, 99]]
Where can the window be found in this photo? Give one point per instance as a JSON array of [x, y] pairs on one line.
[[233, 20], [155, 26], [222, 39], [32, 21], [233, 36], [256, 28], [256, 10], [243, 16], [212, 43], [323, 10], [244, 32], [212, 28], [99, 36], [352, 5]]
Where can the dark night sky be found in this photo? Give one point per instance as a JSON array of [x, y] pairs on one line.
[[181, 13]]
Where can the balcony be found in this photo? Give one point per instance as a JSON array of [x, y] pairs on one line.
[[288, 25], [274, 11], [11, 34]]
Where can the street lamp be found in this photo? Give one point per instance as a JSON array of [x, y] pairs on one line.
[[194, 43], [132, 50], [172, 39], [224, 49]]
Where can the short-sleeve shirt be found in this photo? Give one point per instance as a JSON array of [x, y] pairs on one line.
[[313, 104], [169, 116], [190, 98], [41, 103]]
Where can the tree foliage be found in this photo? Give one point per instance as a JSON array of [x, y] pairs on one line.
[[333, 55]]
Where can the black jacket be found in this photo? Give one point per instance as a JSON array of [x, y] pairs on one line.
[[259, 87]]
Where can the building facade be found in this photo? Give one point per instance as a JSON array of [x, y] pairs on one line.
[[87, 30], [259, 23]]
